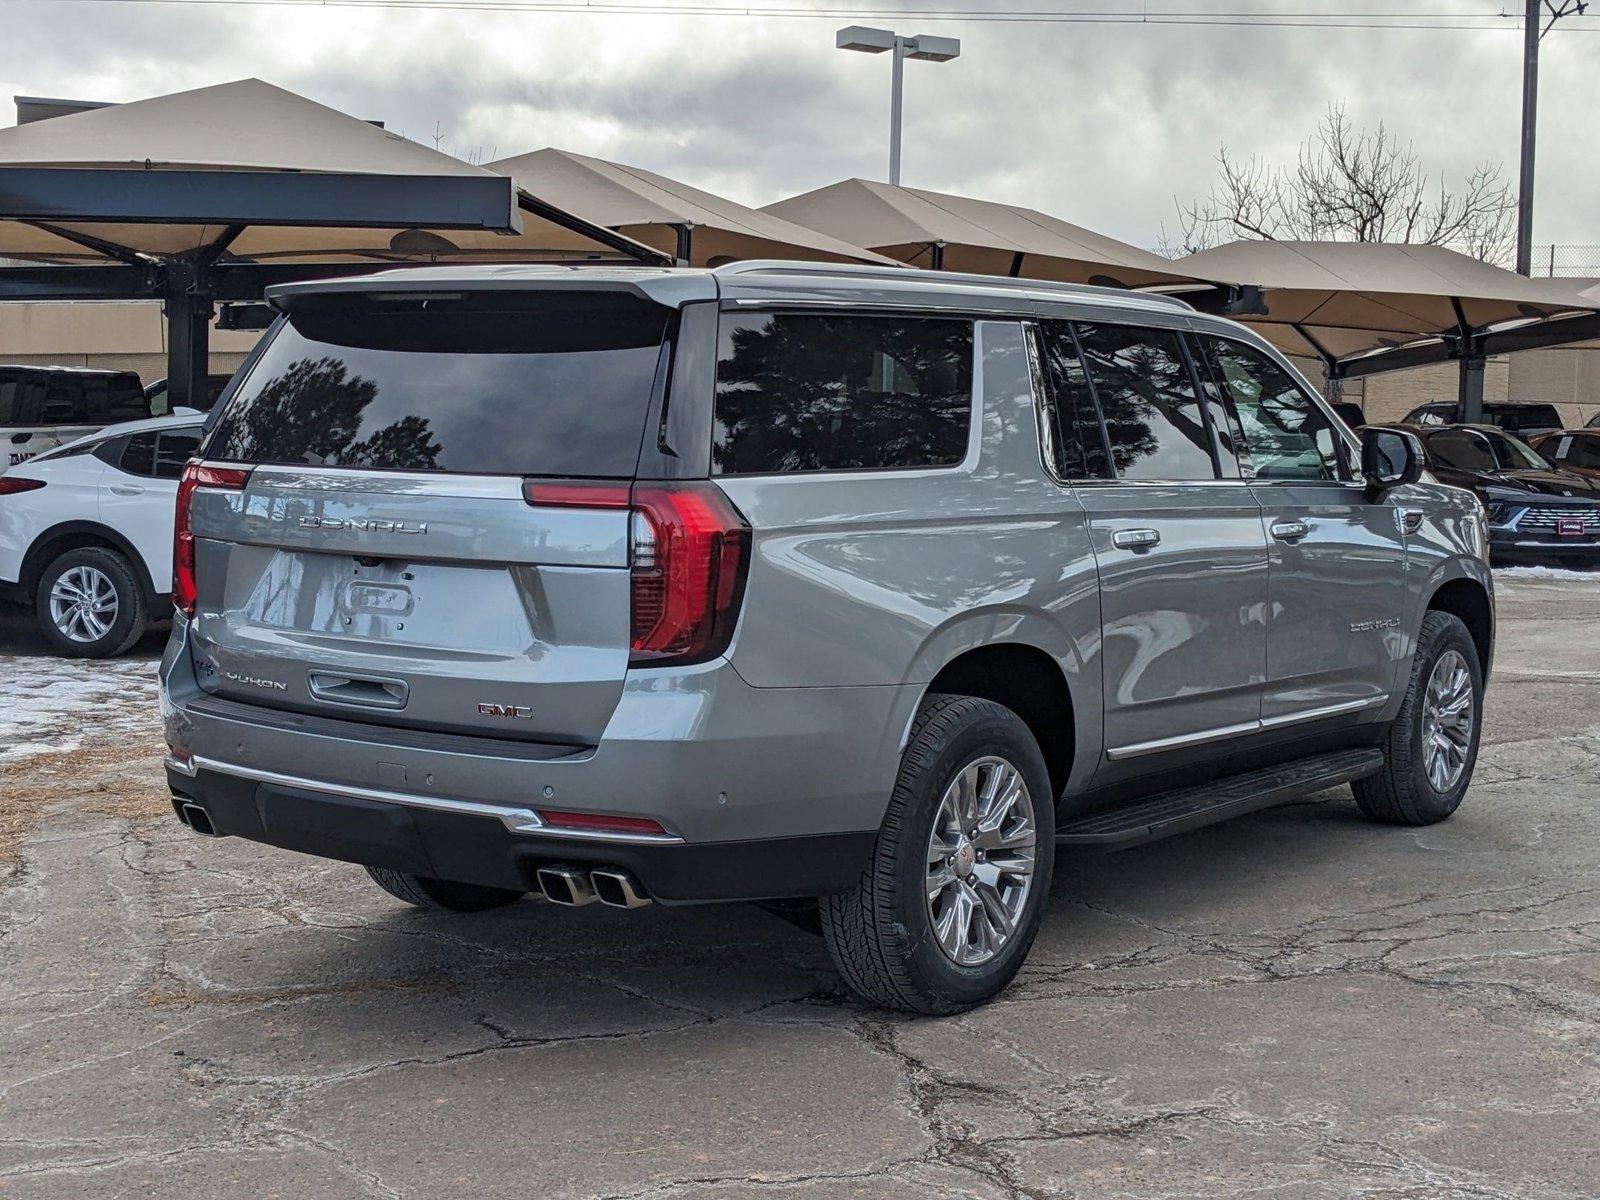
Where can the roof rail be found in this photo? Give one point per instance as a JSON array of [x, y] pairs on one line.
[[780, 266]]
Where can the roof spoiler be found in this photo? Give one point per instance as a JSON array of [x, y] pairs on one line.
[[670, 288]]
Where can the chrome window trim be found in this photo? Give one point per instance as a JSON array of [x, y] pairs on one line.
[[517, 820]]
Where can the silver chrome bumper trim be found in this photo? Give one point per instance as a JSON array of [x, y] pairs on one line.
[[517, 820]]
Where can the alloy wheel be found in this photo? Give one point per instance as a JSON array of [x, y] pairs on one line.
[[1447, 721], [980, 860], [83, 604]]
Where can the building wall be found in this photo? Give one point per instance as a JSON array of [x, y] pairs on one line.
[[113, 335]]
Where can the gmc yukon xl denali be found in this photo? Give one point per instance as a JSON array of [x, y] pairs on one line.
[[857, 592]]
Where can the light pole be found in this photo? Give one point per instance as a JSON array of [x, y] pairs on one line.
[[923, 46]]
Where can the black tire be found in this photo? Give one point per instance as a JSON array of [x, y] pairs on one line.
[[881, 933], [1402, 793], [96, 563], [447, 894]]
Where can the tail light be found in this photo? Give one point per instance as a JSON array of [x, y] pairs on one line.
[[10, 485], [689, 553], [196, 475]]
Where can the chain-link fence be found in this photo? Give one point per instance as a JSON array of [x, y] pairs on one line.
[[1554, 259]]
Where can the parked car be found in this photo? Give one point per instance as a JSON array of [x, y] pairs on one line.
[[86, 533], [1537, 512], [868, 587], [1576, 450], [1522, 420], [156, 395], [45, 407], [1594, 422]]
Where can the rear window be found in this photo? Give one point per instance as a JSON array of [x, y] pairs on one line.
[[555, 383], [803, 392]]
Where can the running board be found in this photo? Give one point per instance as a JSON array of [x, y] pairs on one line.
[[1177, 811]]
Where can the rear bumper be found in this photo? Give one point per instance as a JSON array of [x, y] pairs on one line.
[[483, 849], [762, 792]]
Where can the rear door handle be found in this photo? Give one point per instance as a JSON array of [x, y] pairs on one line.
[[1135, 539], [126, 489], [1290, 531]]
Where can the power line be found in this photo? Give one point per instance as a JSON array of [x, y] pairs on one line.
[[1477, 21]]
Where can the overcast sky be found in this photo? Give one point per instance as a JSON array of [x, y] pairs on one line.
[[1099, 124]]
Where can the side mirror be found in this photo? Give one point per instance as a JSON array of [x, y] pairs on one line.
[[1389, 458]]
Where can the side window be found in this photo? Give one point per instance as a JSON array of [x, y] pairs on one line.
[[1152, 414], [1080, 445], [63, 401], [802, 392], [1585, 452], [139, 455], [1286, 434], [173, 449], [1462, 450]]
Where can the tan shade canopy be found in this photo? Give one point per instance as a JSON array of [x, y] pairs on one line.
[[980, 236], [1347, 298], [253, 126], [649, 208]]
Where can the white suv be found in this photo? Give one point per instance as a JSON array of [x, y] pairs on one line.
[[86, 532]]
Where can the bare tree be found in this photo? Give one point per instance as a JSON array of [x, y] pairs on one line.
[[1352, 185]]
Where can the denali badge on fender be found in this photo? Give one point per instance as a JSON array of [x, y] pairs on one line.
[[363, 524]]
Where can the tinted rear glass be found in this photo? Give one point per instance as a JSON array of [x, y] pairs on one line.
[[798, 392], [1148, 400], [554, 383]]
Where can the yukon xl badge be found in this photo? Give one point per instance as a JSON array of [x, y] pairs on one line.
[[364, 524]]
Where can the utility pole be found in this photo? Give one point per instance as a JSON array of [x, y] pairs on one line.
[[1534, 28]]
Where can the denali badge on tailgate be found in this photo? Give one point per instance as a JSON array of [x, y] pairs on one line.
[[364, 524]]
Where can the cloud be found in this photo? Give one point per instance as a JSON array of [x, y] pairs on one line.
[[1102, 125]]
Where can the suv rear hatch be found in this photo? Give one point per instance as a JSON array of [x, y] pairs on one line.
[[365, 546]]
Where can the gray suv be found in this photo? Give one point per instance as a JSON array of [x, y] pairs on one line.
[[856, 592]]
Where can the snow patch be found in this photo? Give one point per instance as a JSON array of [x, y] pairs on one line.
[[1520, 574], [51, 705]]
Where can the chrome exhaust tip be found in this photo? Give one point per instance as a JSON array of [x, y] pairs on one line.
[[566, 885], [197, 819], [617, 889]]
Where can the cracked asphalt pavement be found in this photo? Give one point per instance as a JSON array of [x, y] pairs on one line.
[[1296, 1004]]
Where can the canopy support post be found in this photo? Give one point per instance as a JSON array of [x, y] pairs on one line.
[[685, 248], [1469, 397], [189, 310], [936, 255], [1469, 387], [1016, 264]]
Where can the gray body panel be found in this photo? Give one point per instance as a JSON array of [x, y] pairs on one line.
[[862, 586]]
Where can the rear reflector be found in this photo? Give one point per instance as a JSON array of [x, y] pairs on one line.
[[689, 553], [600, 822], [10, 485], [196, 475]]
